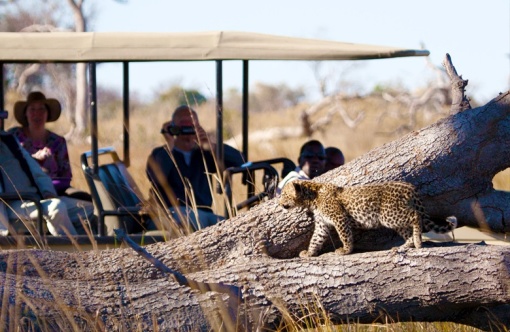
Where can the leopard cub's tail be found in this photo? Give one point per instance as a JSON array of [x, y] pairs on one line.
[[450, 225]]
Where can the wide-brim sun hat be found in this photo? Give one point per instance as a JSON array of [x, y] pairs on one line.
[[20, 107]]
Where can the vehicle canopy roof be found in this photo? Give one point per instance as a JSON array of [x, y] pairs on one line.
[[186, 46], [126, 47]]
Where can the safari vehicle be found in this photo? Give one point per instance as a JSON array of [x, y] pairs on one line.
[[115, 195]]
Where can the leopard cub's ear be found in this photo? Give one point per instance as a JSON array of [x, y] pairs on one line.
[[305, 189], [299, 186]]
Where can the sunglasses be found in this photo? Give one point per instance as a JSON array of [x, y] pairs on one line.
[[309, 155]]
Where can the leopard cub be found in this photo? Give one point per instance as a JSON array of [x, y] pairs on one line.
[[394, 205]]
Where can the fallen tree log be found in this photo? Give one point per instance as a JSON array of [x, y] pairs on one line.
[[117, 290], [452, 164]]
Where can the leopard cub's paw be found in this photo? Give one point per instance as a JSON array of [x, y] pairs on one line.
[[304, 254], [401, 249], [260, 248], [341, 251]]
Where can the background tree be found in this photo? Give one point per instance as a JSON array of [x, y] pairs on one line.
[[52, 15], [19, 16], [175, 95], [79, 120], [266, 97]]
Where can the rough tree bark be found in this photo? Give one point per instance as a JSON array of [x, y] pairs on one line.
[[452, 164]]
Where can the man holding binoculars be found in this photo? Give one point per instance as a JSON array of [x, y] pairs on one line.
[[180, 171]]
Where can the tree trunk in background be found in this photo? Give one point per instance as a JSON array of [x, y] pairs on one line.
[[81, 99], [452, 164], [80, 111]]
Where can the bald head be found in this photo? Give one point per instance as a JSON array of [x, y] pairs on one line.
[[185, 116], [183, 110]]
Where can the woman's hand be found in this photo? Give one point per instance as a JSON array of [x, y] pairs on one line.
[[42, 154]]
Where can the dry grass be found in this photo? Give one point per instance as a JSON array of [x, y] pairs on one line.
[[355, 142], [373, 131]]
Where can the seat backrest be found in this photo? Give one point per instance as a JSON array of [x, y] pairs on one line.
[[115, 195], [286, 166], [117, 185], [270, 179]]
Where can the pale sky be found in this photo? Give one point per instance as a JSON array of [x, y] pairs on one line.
[[475, 33]]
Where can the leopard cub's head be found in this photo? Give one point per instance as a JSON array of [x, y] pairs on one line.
[[288, 196], [297, 193]]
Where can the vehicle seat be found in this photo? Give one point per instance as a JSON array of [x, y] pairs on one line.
[[116, 197], [269, 180]]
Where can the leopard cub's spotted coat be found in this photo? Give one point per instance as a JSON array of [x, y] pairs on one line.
[[393, 205]]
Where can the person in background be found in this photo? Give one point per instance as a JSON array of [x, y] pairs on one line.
[[19, 172], [48, 148], [180, 171], [311, 163], [334, 158]]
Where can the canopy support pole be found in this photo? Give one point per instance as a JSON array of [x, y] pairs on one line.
[[93, 116], [250, 176], [245, 107], [219, 112], [125, 104], [2, 98]]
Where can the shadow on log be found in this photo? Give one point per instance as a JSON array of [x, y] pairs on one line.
[[452, 164]]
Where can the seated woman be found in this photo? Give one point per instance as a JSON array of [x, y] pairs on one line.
[[48, 148]]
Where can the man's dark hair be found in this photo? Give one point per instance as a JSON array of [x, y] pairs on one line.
[[334, 150], [310, 143], [307, 145]]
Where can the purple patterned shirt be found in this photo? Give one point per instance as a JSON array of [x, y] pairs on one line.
[[51, 155]]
